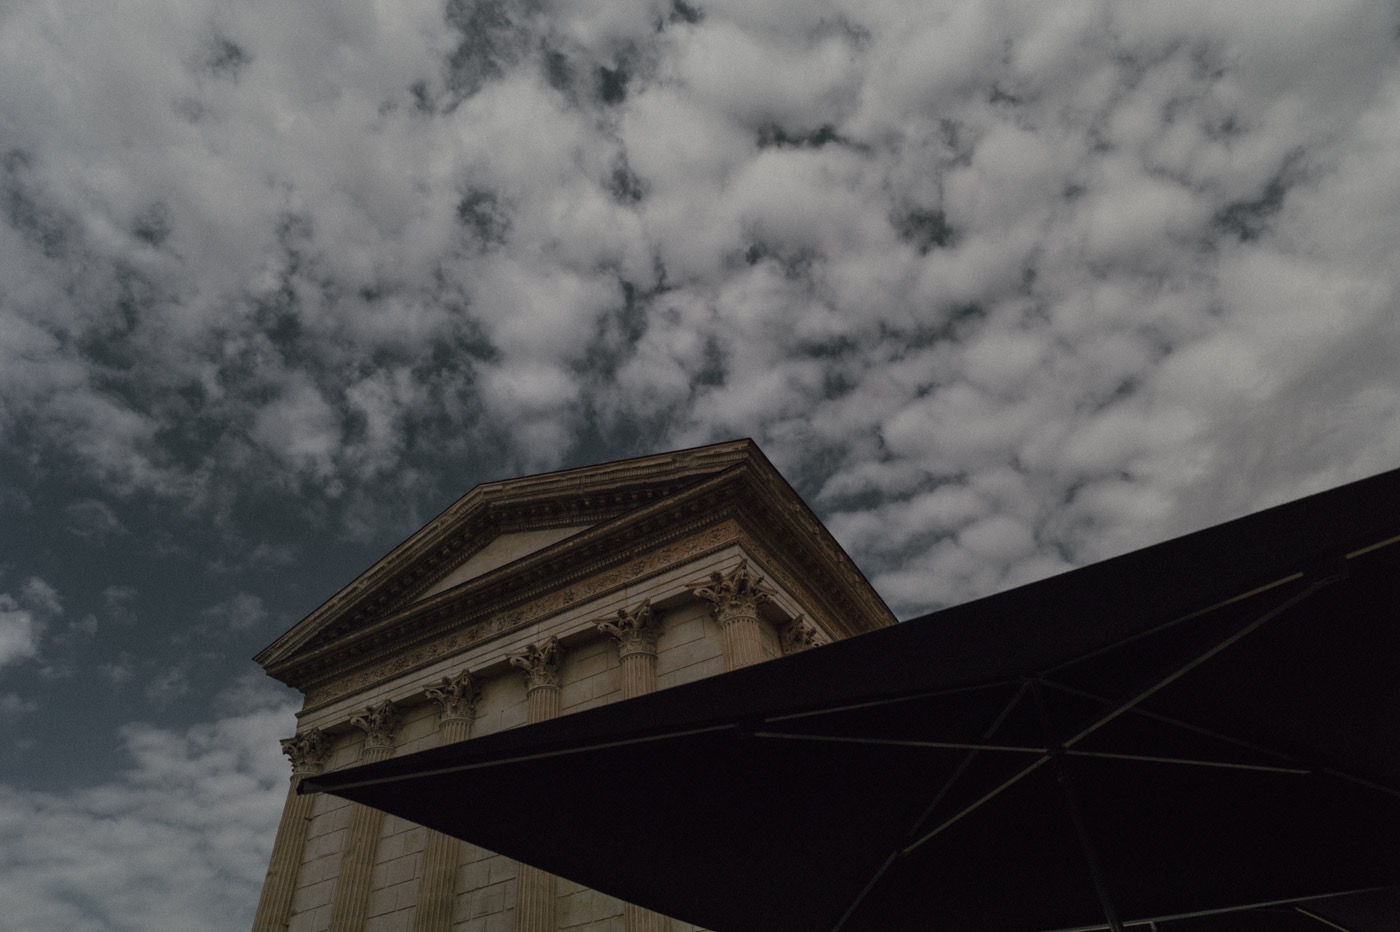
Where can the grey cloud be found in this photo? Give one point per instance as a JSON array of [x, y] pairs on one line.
[[180, 838], [1105, 246], [93, 520]]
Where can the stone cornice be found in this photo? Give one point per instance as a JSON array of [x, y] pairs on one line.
[[560, 499], [800, 554], [476, 624], [504, 592], [748, 503]]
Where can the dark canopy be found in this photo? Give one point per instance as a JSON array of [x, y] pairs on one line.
[[1198, 727]]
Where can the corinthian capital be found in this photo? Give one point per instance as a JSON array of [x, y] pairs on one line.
[[379, 723], [798, 635], [737, 593], [307, 751], [635, 631], [456, 697], [540, 663]]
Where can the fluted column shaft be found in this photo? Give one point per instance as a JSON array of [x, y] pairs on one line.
[[536, 894], [437, 885], [636, 633], [741, 638], [352, 884], [542, 703], [734, 599], [638, 674], [308, 753], [350, 899], [274, 906]]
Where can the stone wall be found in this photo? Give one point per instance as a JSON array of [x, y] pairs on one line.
[[689, 635]]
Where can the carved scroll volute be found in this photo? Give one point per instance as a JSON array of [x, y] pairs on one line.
[[798, 635], [307, 751], [456, 697], [379, 723], [540, 662], [636, 631], [735, 594]]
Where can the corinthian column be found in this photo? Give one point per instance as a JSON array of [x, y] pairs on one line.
[[456, 698], [636, 633], [307, 752], [536, 909], [351, 896], [734, 599]]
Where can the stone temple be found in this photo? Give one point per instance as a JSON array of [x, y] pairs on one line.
[[526, 600]]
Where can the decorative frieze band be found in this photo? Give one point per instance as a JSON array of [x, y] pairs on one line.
[[648, 564]]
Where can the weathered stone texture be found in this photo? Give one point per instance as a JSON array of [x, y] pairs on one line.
[[660, 572]]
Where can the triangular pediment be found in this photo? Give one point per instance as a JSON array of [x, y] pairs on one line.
[[504, 548], [495, 525]]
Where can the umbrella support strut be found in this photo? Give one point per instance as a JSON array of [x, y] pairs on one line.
[[1076, 815]]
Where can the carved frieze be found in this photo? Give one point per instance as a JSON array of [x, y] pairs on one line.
[[379, 723], [456, 697], [733, 595], [307, 751], [647, 564], [540, 663], [636, 630]]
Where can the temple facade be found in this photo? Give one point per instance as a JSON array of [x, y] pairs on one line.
[[526, 600]]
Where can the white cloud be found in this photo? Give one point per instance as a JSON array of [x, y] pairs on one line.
[[24, 620], [178, 840], [1136, 254]]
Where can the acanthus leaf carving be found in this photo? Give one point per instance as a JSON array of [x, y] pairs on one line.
[[456, 697], [379, 723], [307, 751], [635, 631], [735, 594], [798, 635], [540, 662]]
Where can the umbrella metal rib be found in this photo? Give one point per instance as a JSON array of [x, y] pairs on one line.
[[1228, 910], [928, 810], [1058, 751]]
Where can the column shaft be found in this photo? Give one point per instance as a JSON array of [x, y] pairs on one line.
[[638, 674], [351, 898], [275, 904], [542, 704], [636, 635], [742, 639], [536, 894], [437, 887]]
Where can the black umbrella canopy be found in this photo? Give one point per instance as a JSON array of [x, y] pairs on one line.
[[1199, 735]]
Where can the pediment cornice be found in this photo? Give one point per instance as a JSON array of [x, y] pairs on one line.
[[641, 538], [589, 495]]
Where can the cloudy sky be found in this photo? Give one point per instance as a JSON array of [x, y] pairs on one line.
[[1002, 287]]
